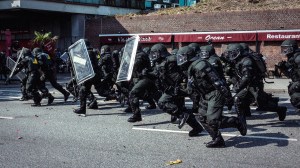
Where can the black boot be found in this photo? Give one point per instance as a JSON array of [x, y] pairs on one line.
[[151, 105], [24, 98], [197, 128], [281, 112], [242, 119], [213, 131], [128, 110], [136, 115], [93, 105], [233, 122], [82, 109], [173, 119], [36, 99], [50, 99], [217, 142], [66, 96]]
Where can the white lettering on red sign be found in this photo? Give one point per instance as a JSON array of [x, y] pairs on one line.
[[161, 38], [145, 38], [283, 36], [208, 37]]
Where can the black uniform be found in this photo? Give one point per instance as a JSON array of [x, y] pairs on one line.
[[203, 79], [250, 84], [85, 88], [30, 64], [292, 69], [143, 86]]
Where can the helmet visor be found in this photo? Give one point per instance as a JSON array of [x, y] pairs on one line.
[[181, 59], [154, 55], [232, 54], [285, 50], [204, 54]]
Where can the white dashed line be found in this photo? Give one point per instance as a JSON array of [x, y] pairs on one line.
[[228, 135]]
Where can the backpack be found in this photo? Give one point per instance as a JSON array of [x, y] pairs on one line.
[[260, 63]]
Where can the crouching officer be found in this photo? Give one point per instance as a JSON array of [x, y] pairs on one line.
[[203, 79], [290, 49]]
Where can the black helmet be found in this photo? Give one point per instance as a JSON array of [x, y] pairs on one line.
[[146, 50], [158, 51], [87, 43], [207, 51], [234, 51], [185, 54], [104, 49], [195, 46], [246, 48], [174, 51], [25, 52], [36, 51], [289, 47]]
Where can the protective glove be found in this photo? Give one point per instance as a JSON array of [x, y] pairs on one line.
[[42, 78]]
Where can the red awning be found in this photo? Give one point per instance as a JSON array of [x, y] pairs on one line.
[[278, 36], [225, 37], [143, 39]]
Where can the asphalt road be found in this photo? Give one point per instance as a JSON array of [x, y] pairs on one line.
[[53, 136]]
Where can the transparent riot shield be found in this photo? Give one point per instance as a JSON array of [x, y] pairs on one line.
[[80, 59], [128, 58], [10, 64], [16, 63]]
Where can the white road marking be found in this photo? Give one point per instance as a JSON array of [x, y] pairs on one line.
[[228, 135], [9, 118]]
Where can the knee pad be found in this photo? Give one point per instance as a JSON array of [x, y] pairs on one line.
[[237, 100], [295, 100]]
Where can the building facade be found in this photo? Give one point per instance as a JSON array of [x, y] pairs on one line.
[[19, 19]]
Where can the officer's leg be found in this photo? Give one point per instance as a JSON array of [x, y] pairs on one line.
[[31, 88], [57, 86], [45, 92], [215, 104], [23, 89], [92, 101], [83, 91], [134, 104], [135, 94], [266, 102], [241, 105], [233, 122], [71, 87]]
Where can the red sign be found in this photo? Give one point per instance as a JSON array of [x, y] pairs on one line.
[[278, 36], [230, 37], [143, 39]]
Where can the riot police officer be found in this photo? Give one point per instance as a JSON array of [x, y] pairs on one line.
[[172, 79], [46, 64], [290, 49], [31, 66], [106, 70], [143, 87], [249, 81], [203, 79], [85, 88]]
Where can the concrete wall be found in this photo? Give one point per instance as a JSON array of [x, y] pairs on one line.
[[201, 22]]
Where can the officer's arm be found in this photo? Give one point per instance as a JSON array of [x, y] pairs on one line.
[[247, 75]]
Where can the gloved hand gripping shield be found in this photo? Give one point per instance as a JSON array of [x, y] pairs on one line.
[[81, 62]]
